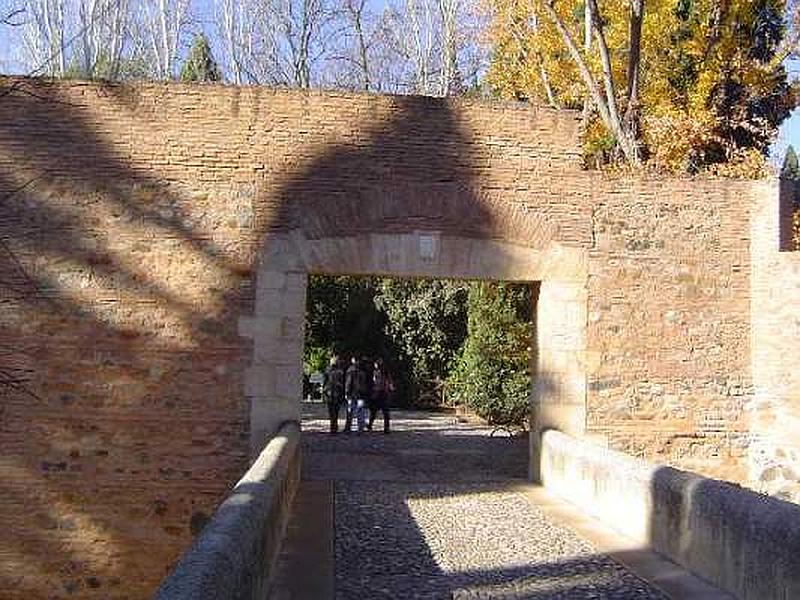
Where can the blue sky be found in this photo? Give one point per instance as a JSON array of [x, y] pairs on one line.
[[789, 132]]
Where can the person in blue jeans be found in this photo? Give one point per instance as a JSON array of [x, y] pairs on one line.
[[356, 394]]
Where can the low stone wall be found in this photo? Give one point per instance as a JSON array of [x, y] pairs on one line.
[[744, 542], [234, 556]]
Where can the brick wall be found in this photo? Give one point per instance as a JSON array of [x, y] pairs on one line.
[[137, 217], [668, 322]]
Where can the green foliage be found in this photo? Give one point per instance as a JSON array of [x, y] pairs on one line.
[[315, 359], [426, 321], [200, 64], [341, 316], [476, 337], [342, 320], [106, 69], [598, 148], [416, 326], [791, 167], [492, 373]]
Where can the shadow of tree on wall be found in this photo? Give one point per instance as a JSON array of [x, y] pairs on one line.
[[127, 431], [417, 170], [422, 168], [125, 327]]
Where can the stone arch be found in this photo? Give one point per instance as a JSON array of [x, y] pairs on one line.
[[273, 380], [426, 188]]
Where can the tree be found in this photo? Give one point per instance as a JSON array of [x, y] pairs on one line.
[[353, 55], [417, 327], [274, 42], [449, 76], [691, 83], [101, 38], [605, 98], [409, 46], [723, 74], [44, 37], [540, 48], [73, 38], [492, 373], [426, 321], [108, 39], [157, 29], [12, 16], [432, 47], [200, 64], [341, 317], [790, 44], [791, 167]]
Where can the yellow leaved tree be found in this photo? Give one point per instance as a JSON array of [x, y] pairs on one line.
[[687, 84]]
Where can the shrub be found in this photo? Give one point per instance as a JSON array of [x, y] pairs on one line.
[[492, 374]]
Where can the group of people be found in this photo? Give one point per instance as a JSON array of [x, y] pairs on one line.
[[362, 389]]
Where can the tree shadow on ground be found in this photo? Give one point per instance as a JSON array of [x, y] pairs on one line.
[[433, 513]]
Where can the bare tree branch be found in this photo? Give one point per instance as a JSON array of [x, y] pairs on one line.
[[10, 18], [605, 101]]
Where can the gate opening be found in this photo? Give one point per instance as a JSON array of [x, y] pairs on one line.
[[440, 345]]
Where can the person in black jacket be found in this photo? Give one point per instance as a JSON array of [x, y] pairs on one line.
[[356, 394], [333, 390], [382, 388]]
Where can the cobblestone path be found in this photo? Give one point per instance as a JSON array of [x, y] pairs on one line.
[[431, 511]]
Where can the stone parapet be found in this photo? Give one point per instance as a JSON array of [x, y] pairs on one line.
[[234, 556], [746, 543]]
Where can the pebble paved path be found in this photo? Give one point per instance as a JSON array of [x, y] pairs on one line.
[[431, 511]]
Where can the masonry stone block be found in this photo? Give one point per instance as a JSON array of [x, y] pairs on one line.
[[270, 280]]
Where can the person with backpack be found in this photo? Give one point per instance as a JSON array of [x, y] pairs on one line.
[[382, 387], [356, 394], [333, 391]]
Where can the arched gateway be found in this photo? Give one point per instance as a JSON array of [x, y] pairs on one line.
[[156, 244]]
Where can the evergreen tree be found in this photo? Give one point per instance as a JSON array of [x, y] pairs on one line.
[[492, 373], [200, 64], [427, 322], [791, 167]]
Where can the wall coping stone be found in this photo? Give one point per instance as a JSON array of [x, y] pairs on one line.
[[744, 542], [235, 554]]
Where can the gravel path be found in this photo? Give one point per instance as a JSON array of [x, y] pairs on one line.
[[430, 511]]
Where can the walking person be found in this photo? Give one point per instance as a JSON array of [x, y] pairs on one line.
[[382, 387], [355, 389], [333, 390]]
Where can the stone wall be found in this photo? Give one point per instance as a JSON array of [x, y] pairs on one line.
[[774, 460], [156, 243], [667, 328], [235, 556], [743, 542], [132, 221]]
